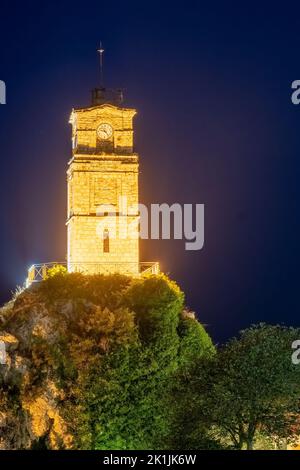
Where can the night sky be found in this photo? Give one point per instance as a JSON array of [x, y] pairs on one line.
[[215, 125]]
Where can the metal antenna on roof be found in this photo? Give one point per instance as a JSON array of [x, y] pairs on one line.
[[101, 51]]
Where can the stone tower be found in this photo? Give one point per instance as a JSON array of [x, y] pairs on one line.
[[102, 178]]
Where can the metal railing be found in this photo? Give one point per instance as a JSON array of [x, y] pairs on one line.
[[39, 272]]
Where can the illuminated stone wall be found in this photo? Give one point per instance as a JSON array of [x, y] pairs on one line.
[[86, 120], [99, 173]]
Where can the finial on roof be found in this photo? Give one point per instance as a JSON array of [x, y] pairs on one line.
[[101, 51]]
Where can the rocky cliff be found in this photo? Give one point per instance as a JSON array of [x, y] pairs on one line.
[[77, 351]]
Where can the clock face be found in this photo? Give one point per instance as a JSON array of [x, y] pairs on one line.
[[104, 131]]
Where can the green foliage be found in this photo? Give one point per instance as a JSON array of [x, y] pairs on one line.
[[118, 346], [195, 343], [131, 368], [250, 386], [190, 428], [55, 270], [105, 291], [157, 302], [10, 413]]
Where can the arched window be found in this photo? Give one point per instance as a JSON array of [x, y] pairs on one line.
[[106, 241]]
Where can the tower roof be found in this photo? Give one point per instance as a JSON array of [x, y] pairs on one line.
[[108, 107], [104, 95]]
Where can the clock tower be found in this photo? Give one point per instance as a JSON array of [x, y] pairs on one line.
[[102, 180]]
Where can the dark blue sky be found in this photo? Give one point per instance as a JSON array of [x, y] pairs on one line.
[[215, 125]]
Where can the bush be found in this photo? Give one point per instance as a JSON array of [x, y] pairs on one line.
[[114, 345]]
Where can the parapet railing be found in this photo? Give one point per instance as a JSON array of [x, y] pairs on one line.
[[39, 272]]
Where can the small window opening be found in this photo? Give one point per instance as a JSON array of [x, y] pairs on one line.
[[106, 241]]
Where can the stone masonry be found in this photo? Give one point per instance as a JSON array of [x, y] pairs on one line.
[[100, 172]]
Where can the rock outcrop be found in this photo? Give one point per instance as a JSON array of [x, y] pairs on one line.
[[84, 360], [29, 413]]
